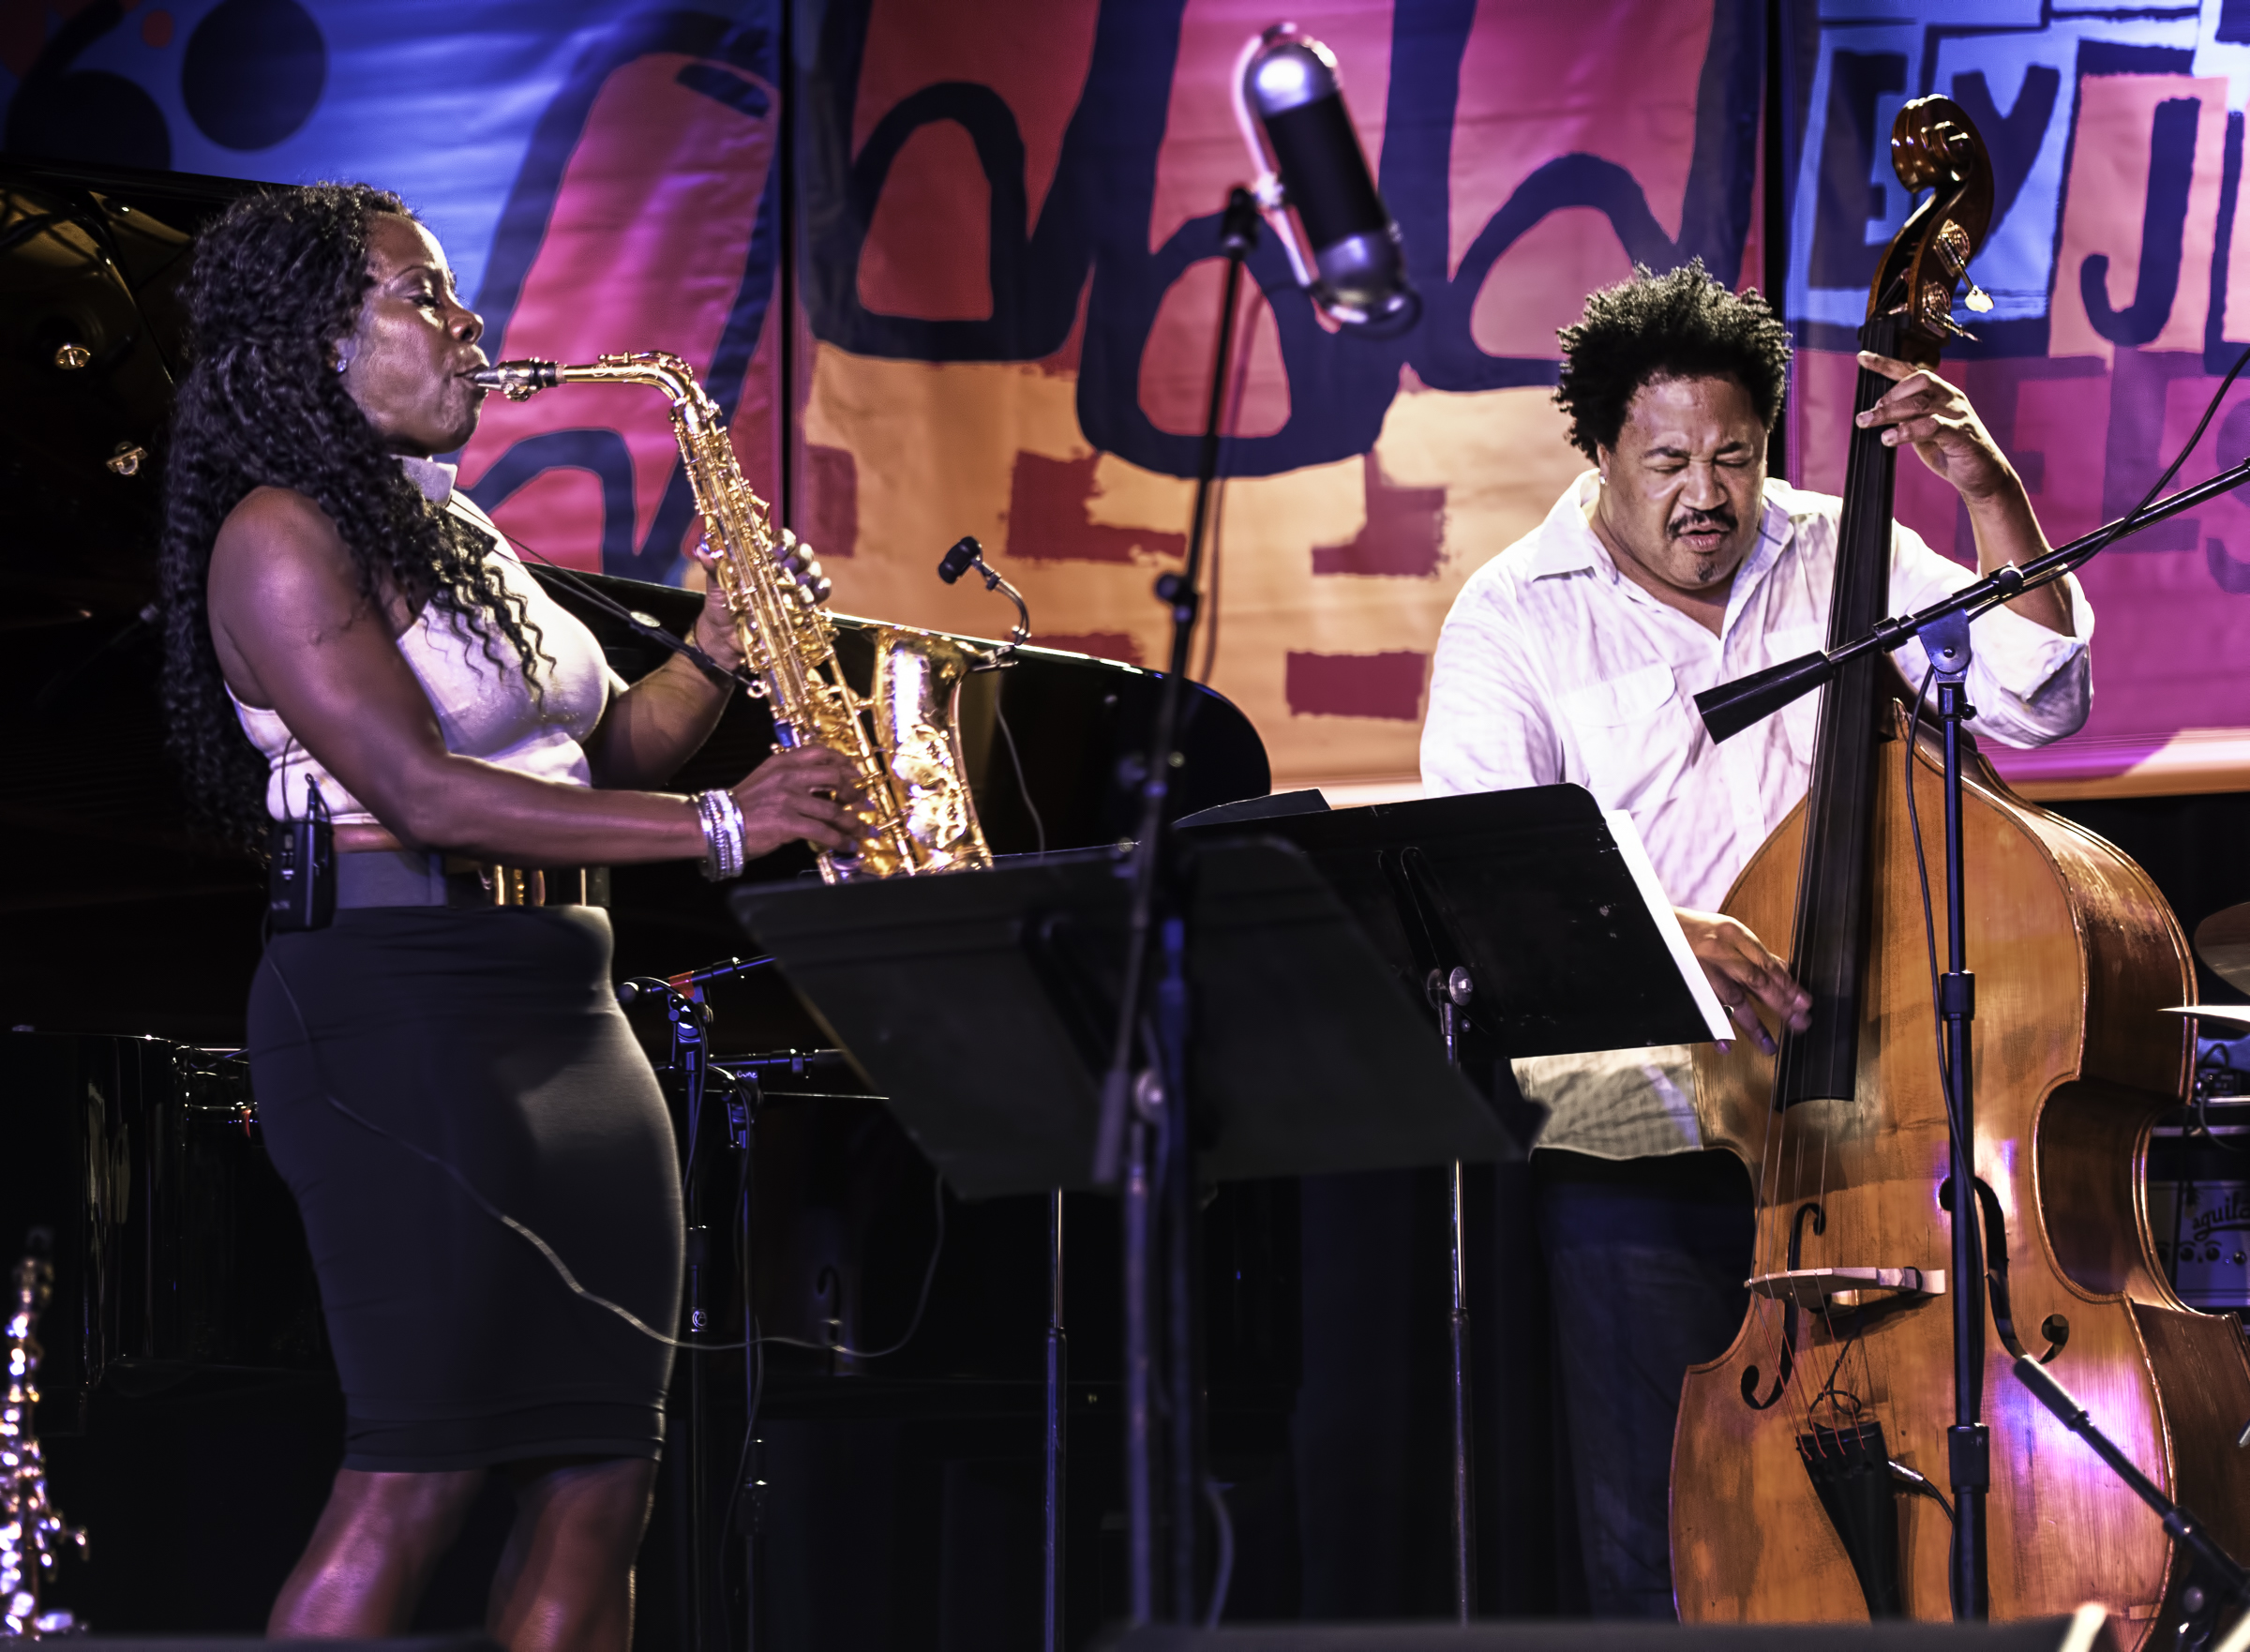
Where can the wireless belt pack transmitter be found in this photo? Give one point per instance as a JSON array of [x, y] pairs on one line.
[[300, 889]]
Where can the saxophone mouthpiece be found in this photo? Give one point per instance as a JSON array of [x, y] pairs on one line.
[[517, 380]]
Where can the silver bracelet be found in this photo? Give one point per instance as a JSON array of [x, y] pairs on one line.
[[724, 850]]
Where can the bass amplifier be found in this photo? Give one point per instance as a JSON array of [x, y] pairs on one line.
[[2198, 1188]]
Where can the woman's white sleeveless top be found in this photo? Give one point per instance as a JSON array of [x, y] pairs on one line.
[[484, 707]]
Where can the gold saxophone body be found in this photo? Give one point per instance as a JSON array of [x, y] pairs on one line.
[[916, 814]]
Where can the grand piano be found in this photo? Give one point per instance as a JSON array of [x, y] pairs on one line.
[[191, 1413]]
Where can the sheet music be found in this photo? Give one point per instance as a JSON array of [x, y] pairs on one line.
[[1668, 922]]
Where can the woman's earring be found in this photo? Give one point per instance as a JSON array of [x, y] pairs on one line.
[[344, 352]]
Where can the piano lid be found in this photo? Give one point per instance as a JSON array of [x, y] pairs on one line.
[[90, 340]]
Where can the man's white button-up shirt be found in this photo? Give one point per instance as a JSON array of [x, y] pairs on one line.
[[1555, 667]]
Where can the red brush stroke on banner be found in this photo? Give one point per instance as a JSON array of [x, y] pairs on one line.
[[1385, 685], [1048, 521], [1404, 535]]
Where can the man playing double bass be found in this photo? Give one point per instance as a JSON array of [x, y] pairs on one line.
[[1673, 565]]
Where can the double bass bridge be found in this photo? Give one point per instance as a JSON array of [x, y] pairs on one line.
[[1820, 1288]]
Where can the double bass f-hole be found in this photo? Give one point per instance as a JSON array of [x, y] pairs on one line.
[[2054, 1327], [1810, 1209]]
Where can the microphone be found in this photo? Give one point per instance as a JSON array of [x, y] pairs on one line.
[[967, 554], [1342, 245]]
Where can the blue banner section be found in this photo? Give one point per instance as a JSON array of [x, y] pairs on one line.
[[2119, 265]]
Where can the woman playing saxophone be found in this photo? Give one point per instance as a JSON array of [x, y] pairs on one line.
[[339, 619]]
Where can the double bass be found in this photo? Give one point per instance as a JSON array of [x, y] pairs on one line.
[[1810, 1468]]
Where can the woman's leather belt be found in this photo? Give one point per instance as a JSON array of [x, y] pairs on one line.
[[412, 878]]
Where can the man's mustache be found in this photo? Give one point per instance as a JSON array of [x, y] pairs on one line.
[[1699, 520]]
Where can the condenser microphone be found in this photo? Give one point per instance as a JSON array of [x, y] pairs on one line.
[[967, 554], [1314, 187]]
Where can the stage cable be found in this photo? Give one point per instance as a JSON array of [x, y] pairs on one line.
[[1015, 761], [1222, 1571], [2130, 522], [921, 1302]]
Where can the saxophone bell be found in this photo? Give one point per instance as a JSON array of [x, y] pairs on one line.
[[517, 380]]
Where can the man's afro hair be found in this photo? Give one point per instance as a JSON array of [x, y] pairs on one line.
[[1683, 324]]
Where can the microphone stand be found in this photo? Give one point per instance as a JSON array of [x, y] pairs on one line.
[[694, 1560], [2215, 1580], [1146, 1134], [690, 1496], [1733, 707]]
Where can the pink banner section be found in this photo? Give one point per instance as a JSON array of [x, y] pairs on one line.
[[644, 250], [2171, 707]]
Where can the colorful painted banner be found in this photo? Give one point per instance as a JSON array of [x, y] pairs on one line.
[[1005, 224], [1004, 219], [1013, 281], [2119, 272]]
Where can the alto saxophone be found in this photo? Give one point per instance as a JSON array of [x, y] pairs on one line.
[[914, 812]]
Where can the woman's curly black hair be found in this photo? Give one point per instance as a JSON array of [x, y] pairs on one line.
[[278, 279], [1683, 324]]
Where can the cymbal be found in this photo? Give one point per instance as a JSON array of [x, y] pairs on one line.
[[2223, 942]]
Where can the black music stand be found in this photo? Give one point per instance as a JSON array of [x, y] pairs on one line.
[[1448, 889], [1311, 1053], [983, 1006], [980, 1006], [1545, 896]]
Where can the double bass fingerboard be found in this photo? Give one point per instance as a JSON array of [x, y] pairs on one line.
[[1829, 948]]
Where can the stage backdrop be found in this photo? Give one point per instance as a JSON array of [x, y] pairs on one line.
[[1005, 277], [2119, 267]]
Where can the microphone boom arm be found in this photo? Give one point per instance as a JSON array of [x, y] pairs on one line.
[[1731, 707]]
